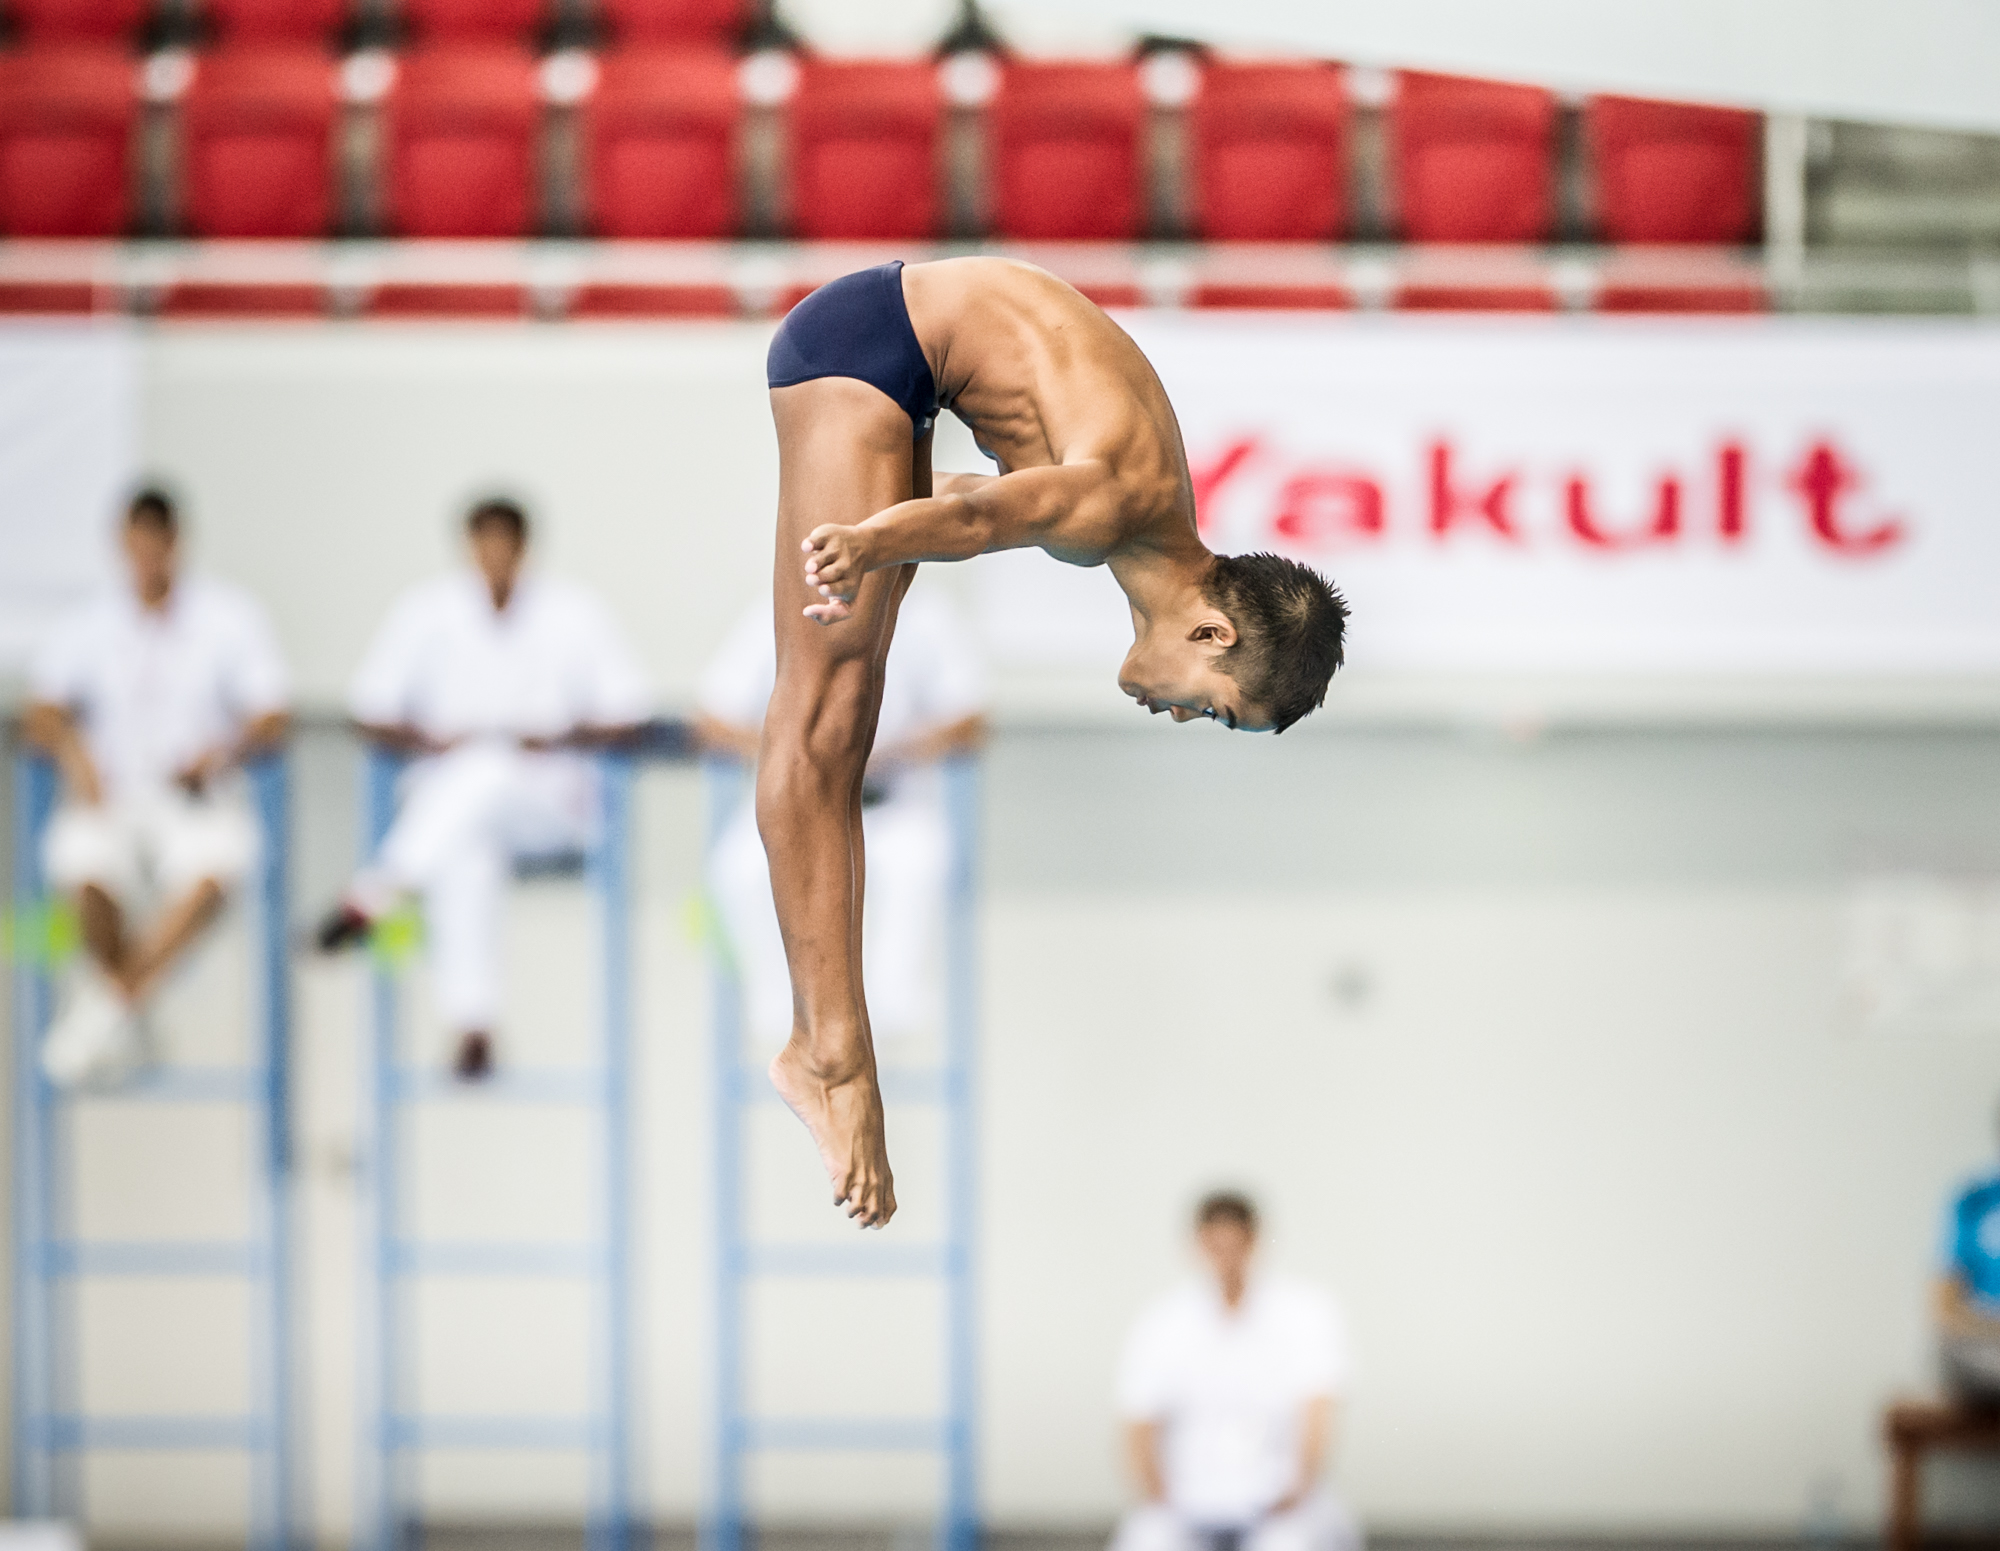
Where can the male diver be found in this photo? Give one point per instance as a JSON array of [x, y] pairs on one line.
[[1092, 471]]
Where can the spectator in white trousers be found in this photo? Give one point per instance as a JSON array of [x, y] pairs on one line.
[[933, 705], [494, 683], [1228, 1390], [148, 698]]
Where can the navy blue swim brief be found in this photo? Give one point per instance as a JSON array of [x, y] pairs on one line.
[[857, 326]]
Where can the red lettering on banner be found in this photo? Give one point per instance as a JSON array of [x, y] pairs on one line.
[[1318, 507], [1206, 481], [1731, 519], [1665, 526], [1448, 505], [1325, 505], [1822, 479]]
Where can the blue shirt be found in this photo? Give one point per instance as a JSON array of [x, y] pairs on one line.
[[1972, 1239]]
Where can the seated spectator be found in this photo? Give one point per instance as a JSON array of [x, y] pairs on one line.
[[1228, 1389], [933, 705], [1969, 1295], [148, 699], [492, 683]]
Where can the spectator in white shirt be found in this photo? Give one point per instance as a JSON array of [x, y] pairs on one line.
[[494, 683], [933, 705], [1228, 1389], [148, 698]]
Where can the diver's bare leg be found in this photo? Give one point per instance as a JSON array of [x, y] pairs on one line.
[[845, 452]]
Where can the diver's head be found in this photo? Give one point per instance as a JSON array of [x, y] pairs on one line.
[[1255, 650]]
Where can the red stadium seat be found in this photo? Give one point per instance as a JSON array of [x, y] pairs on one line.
[[77, 21], [461, 142], [675, 21], [475, 21], [661, 130], [1661, 278], [199, 299], [1474, 160], [1270, 153], [1474, 298], [55, 298], [1668, 172], [1066, 140], [66, 126], [1272, 298], [1112, 295], [1708, 299], [258, 143], [416, 299], [276, 21], [612, 300], [864, 150]]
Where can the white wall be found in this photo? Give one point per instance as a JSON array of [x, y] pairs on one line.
[[1536, 1051], [329, 468], [1533, 1051], [1532, 1046], [68, 422]]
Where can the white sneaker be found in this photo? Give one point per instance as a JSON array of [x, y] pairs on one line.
[[95, 1040]]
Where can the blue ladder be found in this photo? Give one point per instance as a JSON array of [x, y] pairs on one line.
[[52, 1431], [952, 1432], [393, 1433]]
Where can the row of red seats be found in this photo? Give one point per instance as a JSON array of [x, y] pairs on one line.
[[305, 21], [1268, 155]]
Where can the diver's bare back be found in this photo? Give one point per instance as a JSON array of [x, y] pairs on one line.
[[1092, 469], [1045, 380]]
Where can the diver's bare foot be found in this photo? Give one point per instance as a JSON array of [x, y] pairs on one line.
[[845, 1118]]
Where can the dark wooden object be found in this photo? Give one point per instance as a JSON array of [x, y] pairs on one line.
[[1913, 1430]]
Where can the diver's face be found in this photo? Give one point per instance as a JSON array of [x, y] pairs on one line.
[[1182, 679]]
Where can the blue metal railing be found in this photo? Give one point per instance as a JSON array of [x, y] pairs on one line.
[[951, 1433], [393, 1432], [52, 1430]]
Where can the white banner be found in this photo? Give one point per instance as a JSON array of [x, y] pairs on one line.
[[68, 445], [1761, 496]]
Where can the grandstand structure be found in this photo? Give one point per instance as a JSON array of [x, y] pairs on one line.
[[673, 158]]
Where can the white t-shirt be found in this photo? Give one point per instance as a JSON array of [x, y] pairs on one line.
[[451, 665], [935, 676], [1229, 1388], [155, 689]]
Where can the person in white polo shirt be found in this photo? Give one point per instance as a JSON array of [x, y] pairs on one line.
[[1228, 1388], [933, 706], [495, 681], [148, 698]]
